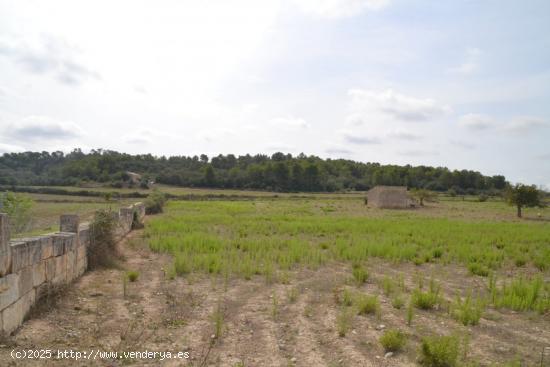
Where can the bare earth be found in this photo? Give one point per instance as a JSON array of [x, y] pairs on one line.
[[264, 323]]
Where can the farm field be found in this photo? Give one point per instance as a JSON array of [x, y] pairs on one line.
[[457, 268], [183, 191], [46, 210], [315, 282]]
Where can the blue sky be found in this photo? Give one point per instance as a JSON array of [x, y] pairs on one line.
[[463, 84]]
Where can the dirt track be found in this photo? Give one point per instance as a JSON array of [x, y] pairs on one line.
[[263, 324]]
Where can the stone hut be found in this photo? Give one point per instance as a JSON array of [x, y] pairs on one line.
[[389, 197]]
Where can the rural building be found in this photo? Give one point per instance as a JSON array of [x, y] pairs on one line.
[[389, 197]]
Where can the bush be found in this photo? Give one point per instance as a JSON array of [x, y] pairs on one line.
[[478, 269], [469, 311], [367, 304], [102, 250], [132, 275], [347, 298], [393, 340], [18, 208], [439, 351], [360, 274], [344, 320], [398, 302], [155, 202], [482, 198], [426, 300]]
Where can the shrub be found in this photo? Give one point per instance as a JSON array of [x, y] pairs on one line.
[[18, 208], [367, 304], [520, 261], [360, 274], [393, 340], [347, 298], [397, 302], [469, 311], [132, 275], [343, 321], [425, 300], [482, 198], [410, 313], [437, 253], [522, 295], [136, 222], [102, 250], [439, 351], [388, 285], [478, 269], [155, 202]]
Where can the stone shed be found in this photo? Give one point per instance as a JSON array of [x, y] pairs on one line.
[[389, 197]]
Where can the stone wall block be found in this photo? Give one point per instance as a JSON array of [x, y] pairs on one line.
[[25, 279], [69, 223], [19, 255], [14, 315], [9, 290], [49, 265], [47, 247], [38, 274], [58, 242]]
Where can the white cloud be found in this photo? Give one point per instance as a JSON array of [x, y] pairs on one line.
[[418, 153], [515, 125], [462, 144], [47, 55], [339, 8], [279, 146], [358, 138], [337, 150], [395, 105], [43, 128], [525, 124], [291, 123], [145, 135], [215, 134], [470, 64], [10, 148], [475, 121], [403, 135]]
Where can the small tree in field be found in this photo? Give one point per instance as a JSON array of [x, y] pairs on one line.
[[19, 208], [524, 196], [423, 194]]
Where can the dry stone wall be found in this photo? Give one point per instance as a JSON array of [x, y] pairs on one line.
[[31, 267]]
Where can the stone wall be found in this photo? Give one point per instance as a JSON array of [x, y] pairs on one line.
[[30, 267]]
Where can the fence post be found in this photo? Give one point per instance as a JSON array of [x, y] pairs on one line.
[[5, 250], [69, 223]]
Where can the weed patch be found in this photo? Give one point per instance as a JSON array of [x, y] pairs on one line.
[[393, 340], [439, 351]]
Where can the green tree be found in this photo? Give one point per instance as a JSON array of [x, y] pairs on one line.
[[18, 208], [423, 194], [524, 196], [281, 175], [209, 176]]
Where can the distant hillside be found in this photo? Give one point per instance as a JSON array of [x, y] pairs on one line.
[[280, 172]]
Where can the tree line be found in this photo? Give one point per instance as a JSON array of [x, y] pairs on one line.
[[278, 172]]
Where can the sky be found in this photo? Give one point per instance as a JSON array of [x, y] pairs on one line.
[[462, 84]]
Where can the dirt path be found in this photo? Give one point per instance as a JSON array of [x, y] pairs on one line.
[[232, 322]]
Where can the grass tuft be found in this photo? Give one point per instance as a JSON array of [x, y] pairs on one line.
[[367, 305], [439, 351], [393, 340]]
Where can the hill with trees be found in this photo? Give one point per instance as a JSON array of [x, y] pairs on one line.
[[278, 172]]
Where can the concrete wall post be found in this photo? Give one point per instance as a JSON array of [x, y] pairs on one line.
[[5, 250]]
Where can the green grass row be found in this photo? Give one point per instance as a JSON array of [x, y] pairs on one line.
[[253, 237]]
